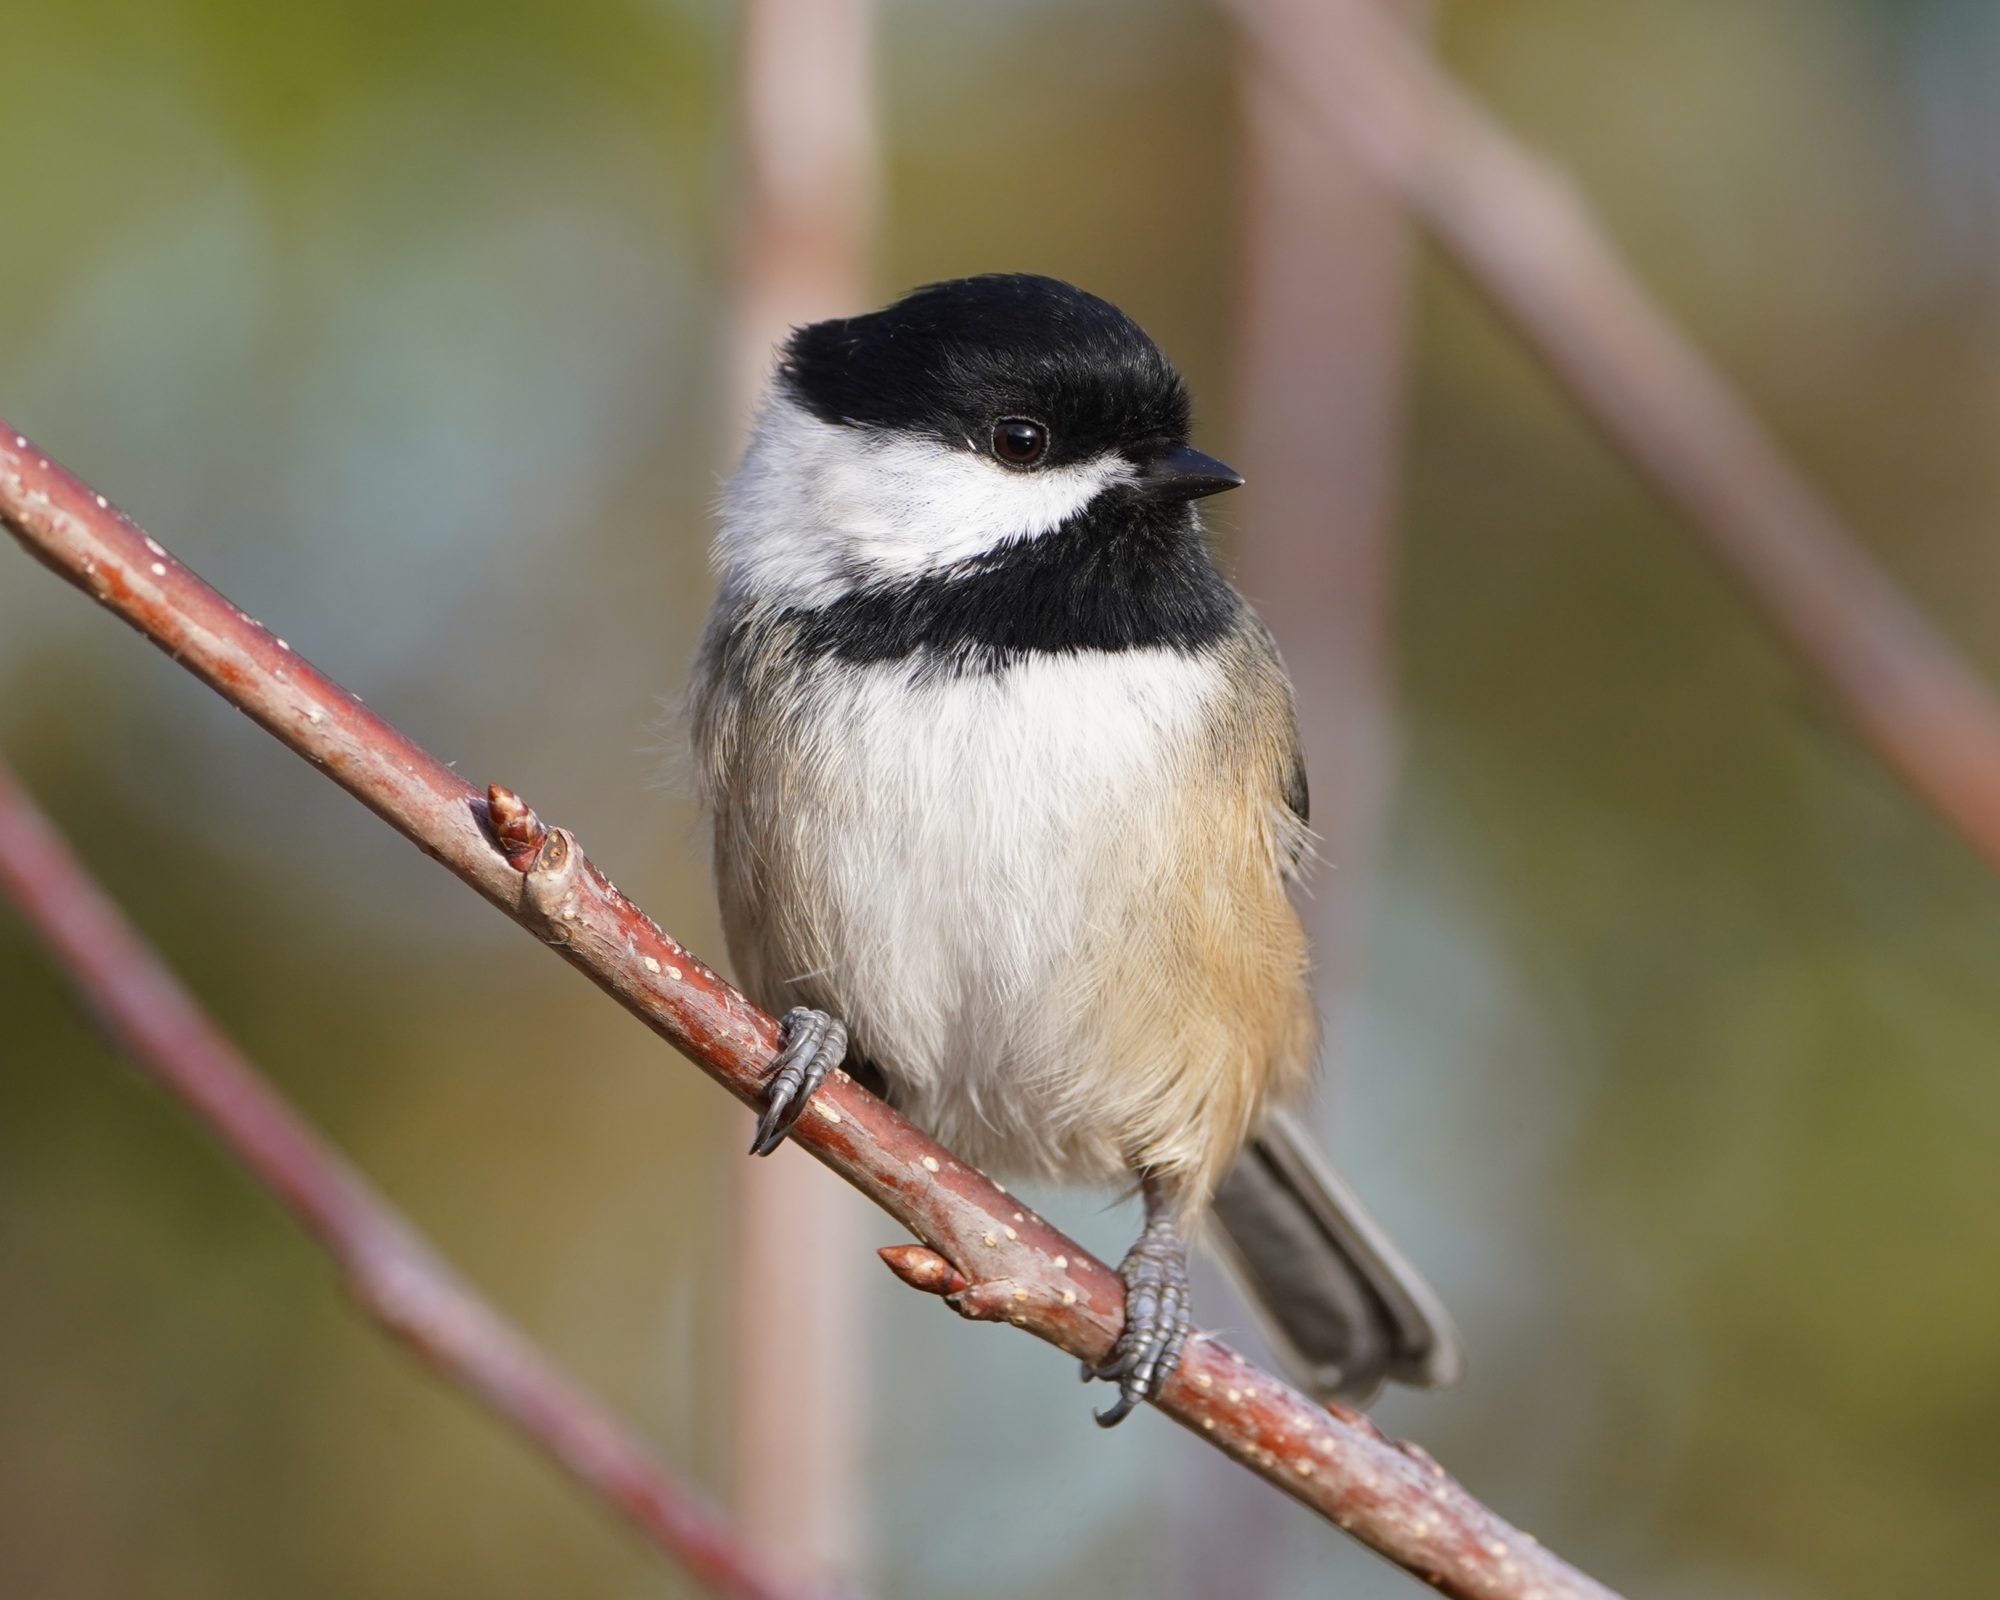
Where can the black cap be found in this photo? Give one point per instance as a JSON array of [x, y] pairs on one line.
[[950, 360]]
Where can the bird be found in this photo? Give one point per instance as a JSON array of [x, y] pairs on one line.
[[1009, 808]]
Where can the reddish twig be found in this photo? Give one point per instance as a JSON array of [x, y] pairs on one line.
[[391, 1272], [1523, 237], [1016, 1267]]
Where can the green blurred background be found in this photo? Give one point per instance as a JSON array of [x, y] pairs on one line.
[[1676, 1061]]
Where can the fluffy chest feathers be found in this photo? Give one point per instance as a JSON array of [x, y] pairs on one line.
[[946, 846], [1047, 899]]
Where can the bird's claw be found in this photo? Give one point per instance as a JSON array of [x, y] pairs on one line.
[[814, 1045], [1156, 1324]]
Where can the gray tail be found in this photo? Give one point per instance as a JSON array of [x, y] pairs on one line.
[[1347, 1312]]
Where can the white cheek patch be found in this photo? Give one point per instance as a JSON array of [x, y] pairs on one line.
[[911, 506], [818, 509]]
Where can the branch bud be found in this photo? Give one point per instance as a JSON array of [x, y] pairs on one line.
[[923, 1269]]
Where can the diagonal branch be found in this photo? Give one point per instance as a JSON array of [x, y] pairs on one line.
[[389, 1270], [993, 1259], [1521, 235]]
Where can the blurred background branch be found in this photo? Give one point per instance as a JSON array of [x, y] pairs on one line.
[[806, 199], [393, 1275], [1320, 375], [1526, 240]]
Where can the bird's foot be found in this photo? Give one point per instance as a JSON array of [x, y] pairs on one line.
[[1156, 1318], [814, 1045]]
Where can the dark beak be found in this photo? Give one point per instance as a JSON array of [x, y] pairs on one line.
[[1178, 472]]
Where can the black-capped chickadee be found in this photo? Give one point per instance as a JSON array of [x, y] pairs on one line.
[[1008, 798]]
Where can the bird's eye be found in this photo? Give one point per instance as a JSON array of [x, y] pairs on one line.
[[1019, 442]]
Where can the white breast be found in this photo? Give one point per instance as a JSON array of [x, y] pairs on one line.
[[966, 842]]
